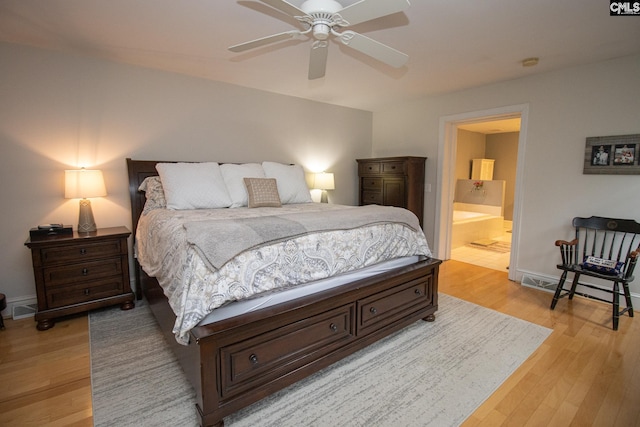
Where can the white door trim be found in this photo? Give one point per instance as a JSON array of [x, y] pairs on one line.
[[445, 187]]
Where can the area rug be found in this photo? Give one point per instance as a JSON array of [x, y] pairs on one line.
[[494, 246], [429, 374]]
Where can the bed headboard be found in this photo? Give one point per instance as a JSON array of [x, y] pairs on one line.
[[139, 170]]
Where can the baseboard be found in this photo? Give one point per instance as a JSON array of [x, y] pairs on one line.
[[550, 283]]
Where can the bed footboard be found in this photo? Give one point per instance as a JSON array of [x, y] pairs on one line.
[[249, 357]]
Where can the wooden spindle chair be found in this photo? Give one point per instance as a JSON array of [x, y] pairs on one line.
[[605, 249]]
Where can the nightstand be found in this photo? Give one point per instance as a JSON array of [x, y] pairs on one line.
[[81, 272]]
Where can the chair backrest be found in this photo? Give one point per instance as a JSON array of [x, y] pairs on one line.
[[607, 238]]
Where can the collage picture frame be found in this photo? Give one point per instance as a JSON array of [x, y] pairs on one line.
[[612, 155]]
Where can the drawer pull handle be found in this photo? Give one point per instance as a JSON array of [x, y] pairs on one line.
[[393, 167], [83, 251], [253, 359], [417, 291], [86, 291], [373, 310], [85, 271], [333, 327]]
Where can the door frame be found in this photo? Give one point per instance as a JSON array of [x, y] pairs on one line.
[[445, 188]]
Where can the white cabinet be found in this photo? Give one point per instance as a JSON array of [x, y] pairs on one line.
[[482, 169]]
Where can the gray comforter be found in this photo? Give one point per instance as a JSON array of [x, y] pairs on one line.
[[218, 241]]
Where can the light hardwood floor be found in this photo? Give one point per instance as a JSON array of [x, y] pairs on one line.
[[584, 374]]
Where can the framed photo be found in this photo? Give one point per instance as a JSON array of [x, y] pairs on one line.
[[612, 155], [624, 155]]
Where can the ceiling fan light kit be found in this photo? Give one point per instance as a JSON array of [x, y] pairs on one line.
[[323, 18]]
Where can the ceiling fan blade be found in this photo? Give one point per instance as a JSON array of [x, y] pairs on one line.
[[264, 41], [366, 10], [285, 7], [374, 49], [318, 59]]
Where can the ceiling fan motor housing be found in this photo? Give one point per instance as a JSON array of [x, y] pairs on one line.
[[321, 11], [321, 31]]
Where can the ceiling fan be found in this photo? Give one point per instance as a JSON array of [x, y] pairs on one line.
[[324, 18]]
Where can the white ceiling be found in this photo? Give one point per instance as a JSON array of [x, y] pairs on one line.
[[452, 44], [493, 126]]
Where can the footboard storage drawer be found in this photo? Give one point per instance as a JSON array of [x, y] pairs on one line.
[[258, 360], [386, 307]]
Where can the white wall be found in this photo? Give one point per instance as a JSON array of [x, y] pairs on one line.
[[503, 147], [565, 107], [60, 111]]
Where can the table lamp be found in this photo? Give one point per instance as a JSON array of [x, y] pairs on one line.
[[324, 181], [83, 184]]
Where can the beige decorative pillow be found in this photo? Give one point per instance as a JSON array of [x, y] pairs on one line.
[[262, 192]]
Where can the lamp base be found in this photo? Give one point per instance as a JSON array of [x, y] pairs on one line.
[[323, 197], [86, 223]]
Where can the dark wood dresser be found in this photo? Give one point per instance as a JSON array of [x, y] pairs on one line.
[[393, 181], [80, 272]]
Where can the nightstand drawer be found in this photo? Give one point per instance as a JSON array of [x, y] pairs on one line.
[[372, 183], [83, 292], [371, 197], [393, 167], [65, 274], [80, 252]]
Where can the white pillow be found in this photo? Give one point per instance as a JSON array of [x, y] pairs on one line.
[[292, 185], [233, 178], [193, 185]]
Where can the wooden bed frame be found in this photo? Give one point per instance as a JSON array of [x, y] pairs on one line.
[[235, 362]]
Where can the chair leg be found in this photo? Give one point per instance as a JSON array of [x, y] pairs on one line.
[[556, 296], [627, 297], [616, 306], [574, 284]]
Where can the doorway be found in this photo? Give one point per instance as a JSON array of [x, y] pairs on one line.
[[447, 178], [485, 171]]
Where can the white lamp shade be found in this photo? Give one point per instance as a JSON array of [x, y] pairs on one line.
[[324, 181], [83, 183]]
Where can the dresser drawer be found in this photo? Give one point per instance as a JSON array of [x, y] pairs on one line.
[[80, 252], [72, 273], [372, 197], [371, 183], [367, 168], [255, 361], [385, 307], [393, 167], [83, 292]]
